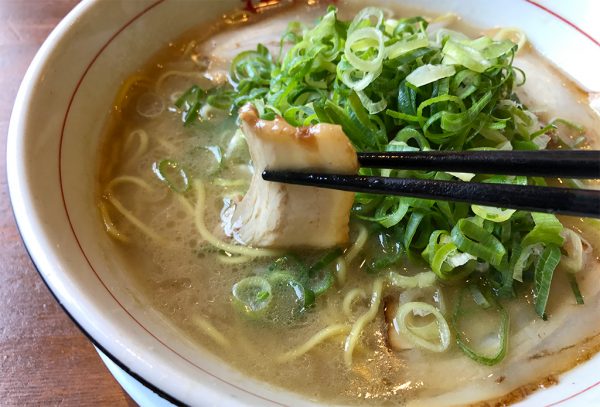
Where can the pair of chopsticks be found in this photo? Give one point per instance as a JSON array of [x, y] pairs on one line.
[[546, 163]]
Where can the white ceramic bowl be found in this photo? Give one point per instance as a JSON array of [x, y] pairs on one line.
[[58, 119]]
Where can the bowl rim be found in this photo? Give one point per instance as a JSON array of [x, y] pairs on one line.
[[38, 243], [159, 392], [17, 120]]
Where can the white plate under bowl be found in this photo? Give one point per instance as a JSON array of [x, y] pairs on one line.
[[58, 119]]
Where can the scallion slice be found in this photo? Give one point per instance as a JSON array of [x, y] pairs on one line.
[[434, 336], [320, 277], [477, 322], [428, 73], [253, 295], [544, 271], [171, 173], [575, 288], [474, 239]]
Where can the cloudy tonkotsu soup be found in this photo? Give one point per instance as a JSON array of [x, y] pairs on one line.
[[402, 313]]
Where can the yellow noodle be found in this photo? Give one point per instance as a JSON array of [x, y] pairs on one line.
[[127, 214], [109, 224], [330, 331], [124, 179], [362, 321], [184, 74], [126, 87], [223, 258], [513, 34], [349, 298], [341, 270], [171, 149], [186, 204], [212, 332], [142, 137], [210, 238], [358, 245], [114, 152]]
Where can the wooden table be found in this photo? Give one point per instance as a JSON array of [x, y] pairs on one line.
[[44, 359]]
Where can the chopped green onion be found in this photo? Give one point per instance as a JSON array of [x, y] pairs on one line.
[[364, 49], [544, 271], [221, 99], [498, 214], [575, 288], [475, 321], [522, 259], [547, 230], [403, 47], [445, 258], [325, 261], [320, 278], [478, 297], [392, 86], [425, 74], [435, 336], [462, 54], [171, 173], [372, 107], [190, 103], [276, 298], [364, 18], [420, 280], [297, 298], [315, 280], [388, 251], [253, 294], [474, 239], [463, 176]]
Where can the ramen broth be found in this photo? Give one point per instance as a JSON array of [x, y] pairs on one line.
[[190, 282]]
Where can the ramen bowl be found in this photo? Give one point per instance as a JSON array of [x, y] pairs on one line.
[[55, 132]]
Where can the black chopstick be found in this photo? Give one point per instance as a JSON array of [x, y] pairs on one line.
[[543, 163], [564, 201]]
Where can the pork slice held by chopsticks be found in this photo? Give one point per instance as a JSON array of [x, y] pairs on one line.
[[279, 215]]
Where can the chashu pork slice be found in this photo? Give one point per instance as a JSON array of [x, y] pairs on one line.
[[278, 215]]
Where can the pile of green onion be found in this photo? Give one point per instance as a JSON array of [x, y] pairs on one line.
[[394, 86]]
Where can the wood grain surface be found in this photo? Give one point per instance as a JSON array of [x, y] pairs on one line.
[[44, 359]]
